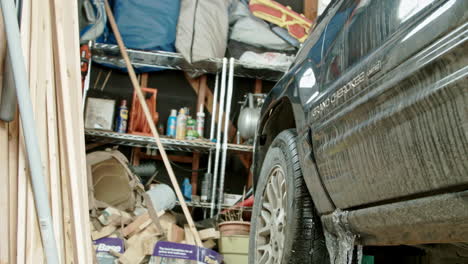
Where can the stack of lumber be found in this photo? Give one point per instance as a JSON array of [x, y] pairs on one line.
[[50, 43], [135, 222], [140, 233]]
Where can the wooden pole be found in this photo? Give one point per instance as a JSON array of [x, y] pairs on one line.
[[149, 119], [310, 9]]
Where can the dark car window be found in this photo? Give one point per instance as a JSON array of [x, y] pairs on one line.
[[372, 22]]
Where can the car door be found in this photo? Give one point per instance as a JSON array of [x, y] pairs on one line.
[[390, 120]]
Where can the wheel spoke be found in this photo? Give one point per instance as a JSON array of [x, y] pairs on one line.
[[275, 187], [271, 195], [266, 217], [264, 231], [268, 207], [265, 256]]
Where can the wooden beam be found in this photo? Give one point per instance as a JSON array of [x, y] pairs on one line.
[[149, 118], [144, 80], [311, 9], [201, 95], [195, 167], [68, 83], [258, 86]]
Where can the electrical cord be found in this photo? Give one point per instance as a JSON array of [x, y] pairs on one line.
[[185, 169]]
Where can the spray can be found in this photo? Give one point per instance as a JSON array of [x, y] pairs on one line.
[[200, 122], [181, 124], [122, 118], [172, 124]]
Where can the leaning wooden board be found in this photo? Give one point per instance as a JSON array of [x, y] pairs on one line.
[[149, 119]]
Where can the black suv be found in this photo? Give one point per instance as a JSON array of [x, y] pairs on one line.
[[364, 142]]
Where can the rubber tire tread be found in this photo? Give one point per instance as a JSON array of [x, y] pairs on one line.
[[304, 239]]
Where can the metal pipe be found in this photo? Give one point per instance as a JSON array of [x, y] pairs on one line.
[[41, 197], [213, 118], [226, 133], [218, 137], [8, 97]]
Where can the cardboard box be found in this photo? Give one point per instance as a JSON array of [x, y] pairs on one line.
[[176, 253], [104, 245], [231, 199], [99, 113]]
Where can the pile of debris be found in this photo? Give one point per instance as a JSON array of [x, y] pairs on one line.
[[127, 223]]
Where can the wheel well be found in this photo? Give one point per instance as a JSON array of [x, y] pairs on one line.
[[270, 128]]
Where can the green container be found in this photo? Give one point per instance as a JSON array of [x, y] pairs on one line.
[[367, 260]]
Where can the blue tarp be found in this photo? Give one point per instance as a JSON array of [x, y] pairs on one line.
[[145, 25]]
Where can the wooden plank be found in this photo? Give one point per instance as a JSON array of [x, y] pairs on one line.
[[148, 116], [4, 195], [175, 233], [195, 167], [34, 251], [104, 232], [201, 95], [133, 227], [136, 251], [209, 244], [310, 9], [188, 236], [144, 79], [258, 86], [209, 233], [13, 184], [66, 50], [53, 149]]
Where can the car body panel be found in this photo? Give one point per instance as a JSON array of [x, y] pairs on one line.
[[397, 126]]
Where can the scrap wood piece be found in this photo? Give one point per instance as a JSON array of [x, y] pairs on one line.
[[134, 227], [136, 251], [209, 233], [104, 232], [114, 216], [148, 245], [188, 236], [149, 118], [209, 244], [175, 233]]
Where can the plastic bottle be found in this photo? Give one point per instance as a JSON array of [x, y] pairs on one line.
[[187, 189], [122, 118], [181, 124], [200, 122], [172, 124], [191, 133]]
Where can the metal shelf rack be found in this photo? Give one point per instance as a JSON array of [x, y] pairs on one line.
[[208, 206], [148, 142], [110, 54]]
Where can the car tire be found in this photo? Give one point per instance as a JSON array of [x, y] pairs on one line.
[[285, 226]]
